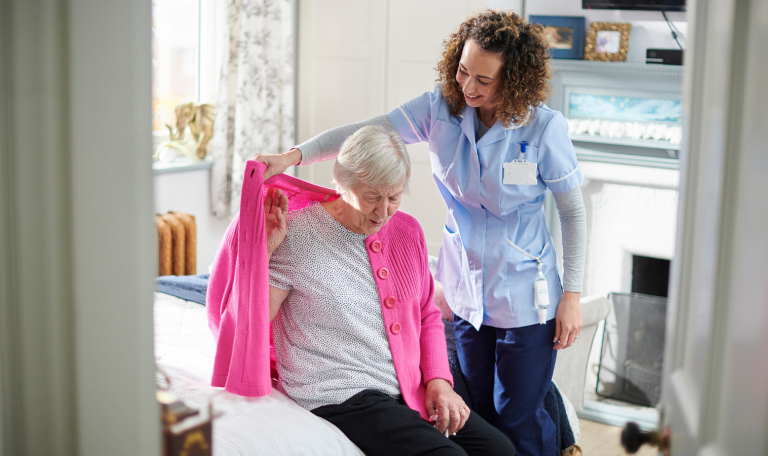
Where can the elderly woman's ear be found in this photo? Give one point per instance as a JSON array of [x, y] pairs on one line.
[[275, 210]]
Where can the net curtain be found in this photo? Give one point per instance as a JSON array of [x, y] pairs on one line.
[[254, 109]]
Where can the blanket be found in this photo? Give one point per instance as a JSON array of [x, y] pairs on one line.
[[188, 287]]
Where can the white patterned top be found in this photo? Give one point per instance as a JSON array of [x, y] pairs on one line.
[[330, 340]]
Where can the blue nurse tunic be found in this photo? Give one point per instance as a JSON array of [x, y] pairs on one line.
[[493, 231]]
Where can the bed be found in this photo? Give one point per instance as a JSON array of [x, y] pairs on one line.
[[273, 424], [268, 425]]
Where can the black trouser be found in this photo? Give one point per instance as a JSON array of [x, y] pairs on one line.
[[382, 425]]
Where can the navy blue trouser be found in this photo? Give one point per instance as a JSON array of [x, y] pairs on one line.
[[508, 373]]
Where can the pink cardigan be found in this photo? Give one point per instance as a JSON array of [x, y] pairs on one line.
[[238, 295]]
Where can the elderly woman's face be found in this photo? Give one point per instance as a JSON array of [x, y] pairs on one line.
[[371, 208], [479, 76]]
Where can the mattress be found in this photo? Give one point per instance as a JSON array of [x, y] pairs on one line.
[[268, 425]]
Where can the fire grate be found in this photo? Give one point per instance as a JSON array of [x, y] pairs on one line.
[[632, 352]]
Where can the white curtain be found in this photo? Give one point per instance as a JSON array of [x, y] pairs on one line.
[[254, 111]]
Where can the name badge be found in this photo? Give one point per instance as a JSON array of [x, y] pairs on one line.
[[520, 173]]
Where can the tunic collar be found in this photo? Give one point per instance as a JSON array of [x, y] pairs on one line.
[[497, 132]]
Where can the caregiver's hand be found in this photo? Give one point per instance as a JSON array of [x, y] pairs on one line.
[[278, 163], [275, 210], [445, 406], [568, 320]]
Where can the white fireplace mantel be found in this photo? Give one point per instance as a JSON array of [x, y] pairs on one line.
[[625, 80]]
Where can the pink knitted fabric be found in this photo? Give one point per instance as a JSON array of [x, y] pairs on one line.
[[238, 295]]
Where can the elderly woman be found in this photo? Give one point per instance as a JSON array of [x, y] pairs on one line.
[[358, 340], [496, 149]]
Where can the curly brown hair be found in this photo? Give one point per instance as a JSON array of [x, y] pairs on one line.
[[524, 48]]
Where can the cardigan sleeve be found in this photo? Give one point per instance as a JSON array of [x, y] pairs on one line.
[[222, 277], [434, 353], [238, 307]]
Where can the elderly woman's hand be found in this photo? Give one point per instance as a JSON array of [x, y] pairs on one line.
[[275, 210], [445, 406], [278, 163]]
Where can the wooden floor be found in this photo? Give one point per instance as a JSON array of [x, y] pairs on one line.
[[603, 440]]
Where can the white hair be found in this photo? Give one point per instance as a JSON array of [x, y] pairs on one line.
[[373, 156]]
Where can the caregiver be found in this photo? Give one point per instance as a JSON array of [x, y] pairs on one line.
[[495, 150]]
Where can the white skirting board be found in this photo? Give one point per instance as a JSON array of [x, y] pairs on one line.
[[617, 415]]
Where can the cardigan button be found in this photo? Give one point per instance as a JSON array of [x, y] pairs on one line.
[[383, 273], [376, 246], [395, 328], [390, 302]]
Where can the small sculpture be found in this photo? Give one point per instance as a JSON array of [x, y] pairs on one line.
[[200, 121]]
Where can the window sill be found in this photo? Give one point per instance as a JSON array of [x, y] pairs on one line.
[[181, 165]]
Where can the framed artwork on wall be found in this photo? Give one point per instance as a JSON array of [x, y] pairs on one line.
[[608, 41], [565, 35]]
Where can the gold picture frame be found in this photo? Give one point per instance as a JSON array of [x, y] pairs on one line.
[[607, 41]]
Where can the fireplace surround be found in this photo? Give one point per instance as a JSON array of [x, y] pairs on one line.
[[630, 185], [625, 125]]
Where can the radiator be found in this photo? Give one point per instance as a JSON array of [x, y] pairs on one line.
[[176, 244]]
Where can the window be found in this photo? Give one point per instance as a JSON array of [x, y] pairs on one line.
[[175, 58]]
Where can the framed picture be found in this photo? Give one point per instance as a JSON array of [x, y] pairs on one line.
[[608, 41], [565, 35]]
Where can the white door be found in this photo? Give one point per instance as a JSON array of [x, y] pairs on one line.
[[715, 396], [341, 73]]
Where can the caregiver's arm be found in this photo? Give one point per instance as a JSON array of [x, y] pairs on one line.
[[324, 146], [573, 221]]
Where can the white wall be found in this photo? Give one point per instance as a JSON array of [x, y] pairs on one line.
[[649, 30], [189, 191]]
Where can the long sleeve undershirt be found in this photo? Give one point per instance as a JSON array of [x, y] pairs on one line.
[[570, 205], [573, 223]]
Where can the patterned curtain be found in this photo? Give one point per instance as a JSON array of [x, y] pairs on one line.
[[254, 112]]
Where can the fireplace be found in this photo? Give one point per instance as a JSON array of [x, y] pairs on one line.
[[625, 125], [650, 276]]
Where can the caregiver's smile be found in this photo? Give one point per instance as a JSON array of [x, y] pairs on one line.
[[479, 76]]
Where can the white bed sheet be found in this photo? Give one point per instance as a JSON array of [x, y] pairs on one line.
[[269, 425]]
